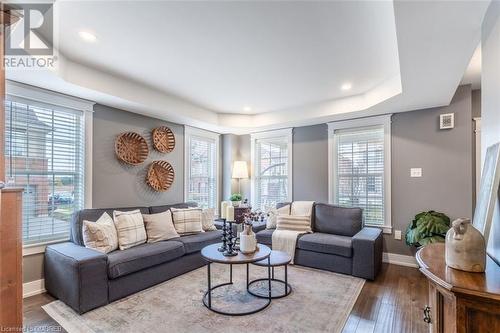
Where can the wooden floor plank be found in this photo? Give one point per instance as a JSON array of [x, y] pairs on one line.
[[392, 303]]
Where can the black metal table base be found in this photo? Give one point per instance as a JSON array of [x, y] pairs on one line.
[[207, 297], [287, 286], [262, 295]]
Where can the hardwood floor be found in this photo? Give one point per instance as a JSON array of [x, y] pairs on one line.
[[394, 302], [391, 303]]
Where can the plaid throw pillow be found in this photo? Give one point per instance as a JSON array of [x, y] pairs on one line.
[[187, 220], [130, 228]]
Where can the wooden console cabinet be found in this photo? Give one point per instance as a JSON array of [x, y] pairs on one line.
[[11, 256], [460, 301]]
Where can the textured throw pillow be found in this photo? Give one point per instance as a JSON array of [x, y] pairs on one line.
[[130, 228], [159, 226], [187, 220], [101, 234], [273, 214], [207, 219], [293, 223]]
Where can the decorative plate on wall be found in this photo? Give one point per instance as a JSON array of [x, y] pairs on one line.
[[160, 175], [163, 139], [131, 148]]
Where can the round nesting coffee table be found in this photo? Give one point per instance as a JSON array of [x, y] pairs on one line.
[[212, 255], [277, 258]]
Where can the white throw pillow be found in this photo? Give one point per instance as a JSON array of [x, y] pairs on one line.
[[207, 219], [159, 226], [293, 223], [130, 228], [273, 214], [187, 220], [100, 235]]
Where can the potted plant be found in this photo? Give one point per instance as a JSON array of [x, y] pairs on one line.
[[427, 227], [235, 199]]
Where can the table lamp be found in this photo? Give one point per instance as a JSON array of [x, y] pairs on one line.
[[240, 171]]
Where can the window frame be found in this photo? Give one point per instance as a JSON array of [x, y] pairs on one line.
[[196, 132], [34, 96], [385, 122], [286, 133]]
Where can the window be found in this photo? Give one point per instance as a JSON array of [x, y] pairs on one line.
[[202, 167], [359, 163], [272, 168], [44, 154]]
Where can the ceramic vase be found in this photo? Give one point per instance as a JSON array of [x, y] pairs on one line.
[[465, 247], [248, 241]]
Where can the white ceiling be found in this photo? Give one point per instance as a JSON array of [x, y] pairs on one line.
[[201, 63]]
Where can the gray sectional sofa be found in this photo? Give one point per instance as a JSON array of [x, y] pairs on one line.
[[339, 242], [85, 279]]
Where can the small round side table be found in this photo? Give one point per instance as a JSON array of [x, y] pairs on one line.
[[277, 258]]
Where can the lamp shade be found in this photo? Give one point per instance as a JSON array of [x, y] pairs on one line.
[[240, 169]]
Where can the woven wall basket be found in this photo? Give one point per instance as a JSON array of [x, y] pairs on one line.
[[163, 139], [160, 175], [131, 148]]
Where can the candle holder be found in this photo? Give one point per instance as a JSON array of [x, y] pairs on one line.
[[223, 248], [230, 252]]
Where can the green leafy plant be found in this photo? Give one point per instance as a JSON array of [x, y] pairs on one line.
[[235, 197], [427, 227]]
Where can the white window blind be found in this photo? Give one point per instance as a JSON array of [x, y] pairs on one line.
[[359, 171], [44, 154], [271, 182], [202, 169]]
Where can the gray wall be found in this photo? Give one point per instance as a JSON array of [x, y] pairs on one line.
[[310, 163], [445, 157], [235, 148], [116, 184]]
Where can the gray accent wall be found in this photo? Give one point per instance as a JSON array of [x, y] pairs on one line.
[[116, 184], [310, 163], [445, 157], [235, 148]]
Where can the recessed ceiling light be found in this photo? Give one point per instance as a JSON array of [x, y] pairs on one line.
[[247, 109], [346, 86], [87, 36]]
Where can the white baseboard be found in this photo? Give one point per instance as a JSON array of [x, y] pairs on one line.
[[33, 288], [399, 259]]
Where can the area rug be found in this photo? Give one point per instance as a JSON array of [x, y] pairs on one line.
[[320, 302]]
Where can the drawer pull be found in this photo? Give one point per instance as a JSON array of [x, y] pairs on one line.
[[427, 314]]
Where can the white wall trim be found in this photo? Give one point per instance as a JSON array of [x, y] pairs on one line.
[[188, 133], [288, 134], [89, 134], [33, 288], [383, 120], [41, 95], [399, 259]]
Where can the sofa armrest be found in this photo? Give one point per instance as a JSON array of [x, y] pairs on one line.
[[367, 253], [76, 275]]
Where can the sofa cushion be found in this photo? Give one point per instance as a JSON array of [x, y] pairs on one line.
[[258, 226], [164, 208], [326, 243], [193, 243], [343, 221], [265, 236], [93, 214], [143, 256]]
